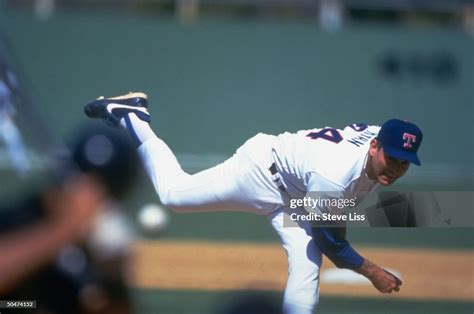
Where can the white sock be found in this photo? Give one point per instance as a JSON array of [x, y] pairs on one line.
[[138, 129]]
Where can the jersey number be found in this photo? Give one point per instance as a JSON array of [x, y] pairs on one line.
[[328, 134], [333, 135], [359, 127]]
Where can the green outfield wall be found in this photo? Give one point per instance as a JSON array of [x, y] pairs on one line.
[[215, 82]]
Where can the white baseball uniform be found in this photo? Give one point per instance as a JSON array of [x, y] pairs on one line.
[[261, 177]]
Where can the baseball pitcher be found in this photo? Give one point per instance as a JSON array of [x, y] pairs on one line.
[[268, 171]]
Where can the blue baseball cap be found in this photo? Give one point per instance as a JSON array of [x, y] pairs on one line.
[[401, 140]]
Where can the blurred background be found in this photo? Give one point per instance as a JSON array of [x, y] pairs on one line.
[[218, 72]]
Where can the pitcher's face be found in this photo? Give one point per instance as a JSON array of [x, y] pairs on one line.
[[383, 168]]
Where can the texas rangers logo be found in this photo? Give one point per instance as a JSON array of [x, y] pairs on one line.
[[408, 139]]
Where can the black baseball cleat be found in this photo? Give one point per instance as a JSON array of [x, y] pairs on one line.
[[113, 109]]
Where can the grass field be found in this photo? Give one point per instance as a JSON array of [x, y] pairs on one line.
[[152, 301]]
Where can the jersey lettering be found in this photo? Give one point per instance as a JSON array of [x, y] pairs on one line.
[[362, 138]]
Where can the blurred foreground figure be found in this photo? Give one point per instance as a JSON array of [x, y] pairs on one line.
[[66, 246]]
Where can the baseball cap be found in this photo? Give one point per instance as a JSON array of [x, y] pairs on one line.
[[401, 140]]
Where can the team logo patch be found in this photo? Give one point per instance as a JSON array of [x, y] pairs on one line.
[[408, 139]]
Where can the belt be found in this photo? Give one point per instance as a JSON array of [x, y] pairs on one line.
[[276, 177]]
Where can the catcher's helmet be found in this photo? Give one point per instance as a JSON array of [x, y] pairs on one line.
[[107, 154]]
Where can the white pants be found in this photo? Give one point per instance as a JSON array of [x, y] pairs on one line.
[[242, 183]]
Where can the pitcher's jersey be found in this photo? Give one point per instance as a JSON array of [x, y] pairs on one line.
[[325, 159]]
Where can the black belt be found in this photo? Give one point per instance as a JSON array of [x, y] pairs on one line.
[[273, 169], [276, 177]]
